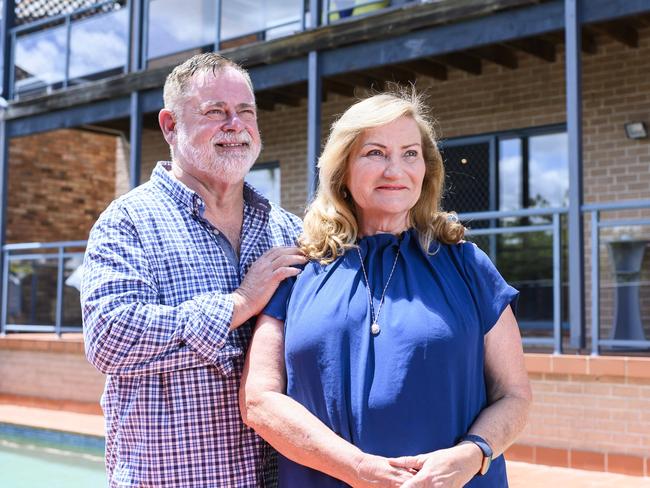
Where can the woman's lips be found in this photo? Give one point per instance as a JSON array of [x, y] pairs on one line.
[[391, 187]]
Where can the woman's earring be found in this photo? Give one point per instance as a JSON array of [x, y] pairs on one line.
[[344, 193]]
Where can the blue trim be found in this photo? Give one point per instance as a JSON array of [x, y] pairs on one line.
[[315, 93], [279, 74], [574, 133], [72, 117], [4, 180], [135, 140], [6, 23], [217, 25]]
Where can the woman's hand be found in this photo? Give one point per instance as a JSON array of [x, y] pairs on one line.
[[377, 472], [445, 468]]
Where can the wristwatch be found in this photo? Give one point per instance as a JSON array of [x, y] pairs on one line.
[[484, 447]]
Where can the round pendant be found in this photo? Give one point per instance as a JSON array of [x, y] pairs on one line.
[[375, 328]]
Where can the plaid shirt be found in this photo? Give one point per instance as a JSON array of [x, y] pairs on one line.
[[157, 311]]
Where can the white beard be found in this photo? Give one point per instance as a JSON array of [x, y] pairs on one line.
[[229, 167]]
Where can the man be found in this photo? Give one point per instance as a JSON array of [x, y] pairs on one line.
[[174, 270]]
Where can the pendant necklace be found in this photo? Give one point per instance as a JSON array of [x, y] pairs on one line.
[[375, 328]]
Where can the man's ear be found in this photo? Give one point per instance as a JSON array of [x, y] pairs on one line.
[[167, 125]]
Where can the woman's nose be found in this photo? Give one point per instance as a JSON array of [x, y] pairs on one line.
[[392, 168]]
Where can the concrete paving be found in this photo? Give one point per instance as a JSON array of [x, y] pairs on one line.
[[83, 420]]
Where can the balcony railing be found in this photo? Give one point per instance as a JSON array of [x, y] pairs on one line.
[[626, 246], [67, 49], [518, 223], [40, 281], [90, 43], [40, 287]]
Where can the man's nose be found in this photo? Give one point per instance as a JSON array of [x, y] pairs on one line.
[[233, 123]]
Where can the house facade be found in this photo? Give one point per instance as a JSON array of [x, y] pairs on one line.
[[542, 110]]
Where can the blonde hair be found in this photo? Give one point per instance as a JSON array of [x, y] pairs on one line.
[[178, 80], [330, 224]]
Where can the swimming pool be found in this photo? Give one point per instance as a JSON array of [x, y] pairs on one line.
[[32, 458]]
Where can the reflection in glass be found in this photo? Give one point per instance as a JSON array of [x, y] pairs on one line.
[[40, 59], [179, 26], [105, 34], [266, 180], [510, 174], [31, 298], [548, 170], [268, 19], [72, 272]]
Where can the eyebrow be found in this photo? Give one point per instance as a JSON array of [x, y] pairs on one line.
[[384, 146], [213, 103]]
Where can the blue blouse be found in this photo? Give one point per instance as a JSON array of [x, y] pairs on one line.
[[419, 384]]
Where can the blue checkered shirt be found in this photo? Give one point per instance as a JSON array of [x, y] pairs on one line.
[[157, 310]]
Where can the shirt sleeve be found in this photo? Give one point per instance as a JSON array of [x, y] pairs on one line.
[[127, 331], [491, 292], [277, 306]]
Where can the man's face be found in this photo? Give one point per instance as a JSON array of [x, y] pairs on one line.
[[216, 126]]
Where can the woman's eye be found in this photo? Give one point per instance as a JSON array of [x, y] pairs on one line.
[[374, 152], [411, 154]]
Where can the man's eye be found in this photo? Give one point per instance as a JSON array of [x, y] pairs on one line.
[[215, 111]]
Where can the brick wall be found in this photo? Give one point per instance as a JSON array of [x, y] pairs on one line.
[[45, 367], [59, 183], [588, 413]]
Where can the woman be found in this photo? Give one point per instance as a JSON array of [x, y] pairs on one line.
[[394, 359]]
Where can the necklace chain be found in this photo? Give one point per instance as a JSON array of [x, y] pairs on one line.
[[374, 327]]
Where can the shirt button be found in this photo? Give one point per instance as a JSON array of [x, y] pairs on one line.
[[215, 232]]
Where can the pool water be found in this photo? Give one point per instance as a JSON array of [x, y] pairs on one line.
[[34, 458]]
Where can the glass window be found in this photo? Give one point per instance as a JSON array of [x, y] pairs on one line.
[[266, 18], [265, 177], [179, 26], [548, 170], [40, 59], [510, 174], [106, 34]]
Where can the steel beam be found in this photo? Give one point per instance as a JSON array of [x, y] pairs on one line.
[[314, 98], [135, 140], [6, 23], [573, 41]]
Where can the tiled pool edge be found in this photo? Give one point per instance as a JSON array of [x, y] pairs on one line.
[[70, 440]]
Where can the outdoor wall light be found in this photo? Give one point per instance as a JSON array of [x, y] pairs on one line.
[[636, 130]]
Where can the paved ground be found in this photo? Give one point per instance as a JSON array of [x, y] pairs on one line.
[[521, 475]]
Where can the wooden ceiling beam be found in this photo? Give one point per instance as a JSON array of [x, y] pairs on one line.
[[537, 47], [427, 67], [335, 86], [392, 74], [284, 97], [264, 102], [621, 31], [497, 54], [462, 61]]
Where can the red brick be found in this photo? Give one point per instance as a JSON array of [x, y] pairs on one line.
[[593, 461], [625, 464]]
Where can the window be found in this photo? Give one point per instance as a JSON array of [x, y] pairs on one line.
[[533, 171], [265, 177]]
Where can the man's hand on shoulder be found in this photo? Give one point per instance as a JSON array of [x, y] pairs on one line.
[[262, 280]]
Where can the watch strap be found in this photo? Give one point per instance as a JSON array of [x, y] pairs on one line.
[[485, 449]]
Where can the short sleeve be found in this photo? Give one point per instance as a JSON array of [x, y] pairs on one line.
[[277, 306], [492, 293]]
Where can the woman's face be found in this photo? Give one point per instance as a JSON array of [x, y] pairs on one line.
[[385, 171]]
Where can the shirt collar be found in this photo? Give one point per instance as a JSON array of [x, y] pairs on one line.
[[188, 198]]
